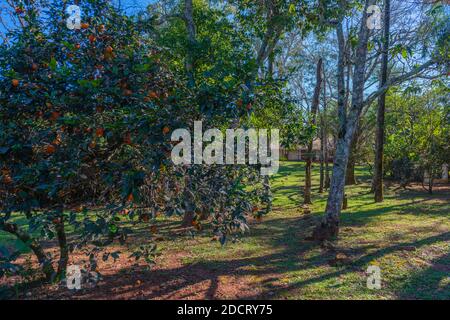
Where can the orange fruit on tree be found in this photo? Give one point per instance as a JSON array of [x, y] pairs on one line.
[[123, 84], [34, 67], [6, 176], [15, 83], [109, 49], [55, 115], [50, 149], [57, 140], [84, 25], [99, 132], [166, 130], [127, 92], [7, 179], [153, 95], [127, 139], [130, 197], [92, 38], [77, 46]]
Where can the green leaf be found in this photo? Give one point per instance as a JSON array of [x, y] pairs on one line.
[[404, 53], [53, 64], [292, 9]]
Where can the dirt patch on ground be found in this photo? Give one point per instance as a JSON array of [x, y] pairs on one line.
[[126, 279]]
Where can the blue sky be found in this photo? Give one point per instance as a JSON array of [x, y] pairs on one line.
[[130, 7]]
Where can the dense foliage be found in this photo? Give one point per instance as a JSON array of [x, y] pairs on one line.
[[86, 117]]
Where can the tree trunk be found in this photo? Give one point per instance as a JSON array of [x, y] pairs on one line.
[[329, 226], [327, 172], [270, 63], [44, 261], [309, 158], [379, 143], [190, 26], [445, 173], [430, 185], [327, 167], [63, 248], [190, 70], [323, 139], [188, 219], [350, 177], [322, 158]]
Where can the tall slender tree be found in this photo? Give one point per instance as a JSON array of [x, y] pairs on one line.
[[329, 226], [379, 145], [314, 108]]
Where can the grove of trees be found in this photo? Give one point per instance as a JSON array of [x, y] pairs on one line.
[[86, 115]]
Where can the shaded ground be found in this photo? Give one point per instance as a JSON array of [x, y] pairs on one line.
[[408, 237]]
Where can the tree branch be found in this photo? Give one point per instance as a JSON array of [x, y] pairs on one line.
[[398, 80]]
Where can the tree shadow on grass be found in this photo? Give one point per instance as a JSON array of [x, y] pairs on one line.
[[251, 277], [358, 217], [207, 279], [364, 261], [261, 276], [431, 283]]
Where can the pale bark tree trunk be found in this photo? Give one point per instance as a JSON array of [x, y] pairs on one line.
[[323, 140], [350, 177], [445, 173], [379, 144], [313, 115], [329, 226]]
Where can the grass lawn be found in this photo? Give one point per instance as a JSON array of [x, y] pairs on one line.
[[407, 236]]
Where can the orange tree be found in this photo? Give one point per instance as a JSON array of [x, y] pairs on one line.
[[85, 122]]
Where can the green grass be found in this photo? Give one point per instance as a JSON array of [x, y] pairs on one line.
[[283, 264], [407, 236]]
